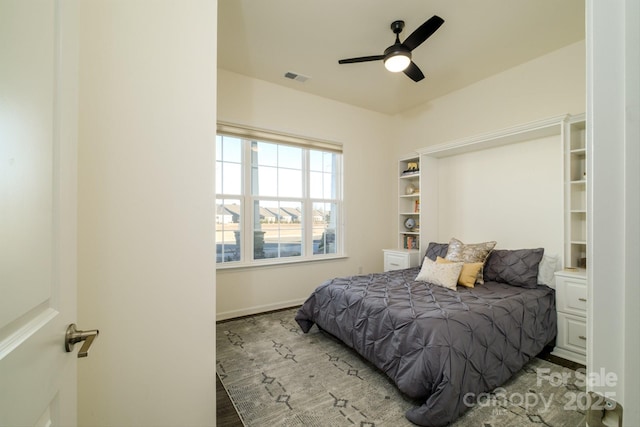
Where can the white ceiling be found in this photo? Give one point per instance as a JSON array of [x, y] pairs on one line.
[[265, 39]]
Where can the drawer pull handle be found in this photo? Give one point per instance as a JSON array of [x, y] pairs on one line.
[[582, 337], [395, 265], [582, 299]]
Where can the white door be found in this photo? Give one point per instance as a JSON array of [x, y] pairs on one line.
[[38, 138]]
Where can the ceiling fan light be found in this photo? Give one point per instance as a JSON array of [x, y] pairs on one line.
[[397, 62]]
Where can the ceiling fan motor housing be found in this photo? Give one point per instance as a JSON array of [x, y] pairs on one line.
[[397, 27]]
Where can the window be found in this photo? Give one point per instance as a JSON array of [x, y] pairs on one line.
[[278, 199]]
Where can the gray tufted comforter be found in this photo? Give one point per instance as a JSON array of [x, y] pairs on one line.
[[437, 345]]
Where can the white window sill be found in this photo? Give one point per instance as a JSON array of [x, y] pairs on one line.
[[276, 262]]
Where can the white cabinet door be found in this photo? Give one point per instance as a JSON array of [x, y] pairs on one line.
[[37, 212]]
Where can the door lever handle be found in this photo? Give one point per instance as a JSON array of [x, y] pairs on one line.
[[75, 335]]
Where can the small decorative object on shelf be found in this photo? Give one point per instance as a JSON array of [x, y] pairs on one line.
[[582, 260], [410, 223], [416, 206], [410, 189], [412, 169], [410, 242]]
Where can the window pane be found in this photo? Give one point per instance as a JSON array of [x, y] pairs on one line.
[[322, 179], [322, 186], [289, 157], [264, 153], [218, 177], [329, 186], [228, 230], [324, 228], [264, 181], [231, 149], [228, 165], [289, 183], [322, 161], [279, 232], [315, 160], [231, 178], [316, 185], [328, 162]]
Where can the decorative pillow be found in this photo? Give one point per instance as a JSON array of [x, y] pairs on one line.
[[514, 267], [468, 274], [547, 268], [435, 250], [476, 252], [445, 275]]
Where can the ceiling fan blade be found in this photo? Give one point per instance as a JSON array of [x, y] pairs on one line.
[[361, 59], [423, 32], [414, 72]]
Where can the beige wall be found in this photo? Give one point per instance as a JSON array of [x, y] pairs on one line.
[[548, 86], [146, 272], [367, 185], [511, 194]]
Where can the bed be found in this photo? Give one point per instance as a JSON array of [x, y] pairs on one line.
[[440, 345]]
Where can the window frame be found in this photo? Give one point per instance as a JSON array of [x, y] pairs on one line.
[[247, 199]]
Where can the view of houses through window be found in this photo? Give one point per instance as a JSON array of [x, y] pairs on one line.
[[275, 201]]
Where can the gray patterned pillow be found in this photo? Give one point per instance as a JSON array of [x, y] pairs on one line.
[[475, 252], [435, 250], [514, 267]]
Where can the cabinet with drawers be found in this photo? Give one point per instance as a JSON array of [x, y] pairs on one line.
[[571, 304], [396, 259]]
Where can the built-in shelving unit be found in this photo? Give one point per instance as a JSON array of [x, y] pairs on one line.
[[407, 252], [571, 131], [409, 203], [575, 193]]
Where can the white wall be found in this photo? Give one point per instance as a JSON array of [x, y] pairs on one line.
[[367, 183], [504, 194], [145, 236], [548, 86]]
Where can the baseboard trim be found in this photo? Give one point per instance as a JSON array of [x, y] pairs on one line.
[[232, 314], [569, 355]]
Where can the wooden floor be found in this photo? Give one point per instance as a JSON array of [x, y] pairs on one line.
[[226, 415]]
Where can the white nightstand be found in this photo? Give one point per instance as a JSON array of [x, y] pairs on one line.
[[571, 304], [396, 259]]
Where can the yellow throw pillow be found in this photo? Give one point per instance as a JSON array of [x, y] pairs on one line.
[[468, 274]]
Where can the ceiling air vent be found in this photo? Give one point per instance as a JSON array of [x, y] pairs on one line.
[[295, 76]]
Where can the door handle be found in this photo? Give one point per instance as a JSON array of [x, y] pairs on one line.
[[74, 336]]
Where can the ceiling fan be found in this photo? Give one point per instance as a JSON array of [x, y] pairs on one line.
[[397, 57]]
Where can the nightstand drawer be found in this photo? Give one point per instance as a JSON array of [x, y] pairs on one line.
[[571, 295], [399, 259], [572, 333], [395, 261]]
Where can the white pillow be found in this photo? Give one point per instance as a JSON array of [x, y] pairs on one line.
[[445, 275], [546, 269]]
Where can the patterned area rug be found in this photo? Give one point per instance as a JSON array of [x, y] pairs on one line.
[[277, 376]]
